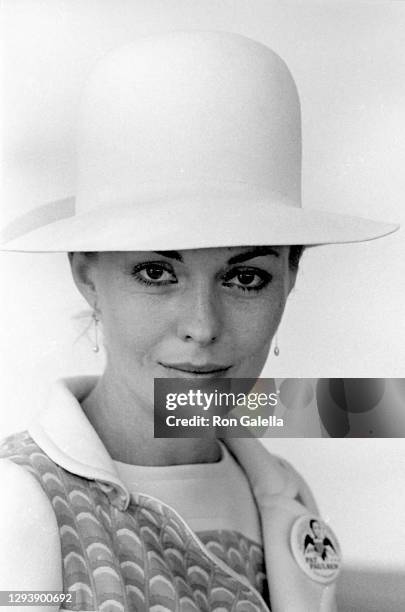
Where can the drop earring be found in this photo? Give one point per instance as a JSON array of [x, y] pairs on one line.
[[96, 321], [276, 350]]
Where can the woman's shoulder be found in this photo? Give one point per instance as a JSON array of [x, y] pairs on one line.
[[28, 528], [18, 482], [24, 500]]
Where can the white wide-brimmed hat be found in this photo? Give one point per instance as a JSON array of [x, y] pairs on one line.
[[187, 140]]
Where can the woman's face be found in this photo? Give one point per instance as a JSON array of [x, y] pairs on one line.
[[186, 314], [316, 528]]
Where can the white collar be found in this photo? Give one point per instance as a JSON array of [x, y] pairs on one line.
[[65, 434]]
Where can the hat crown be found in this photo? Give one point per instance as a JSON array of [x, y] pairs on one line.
[[187, 140], [189, 110]]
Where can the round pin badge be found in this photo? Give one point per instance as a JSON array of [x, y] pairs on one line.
[[316, 549]]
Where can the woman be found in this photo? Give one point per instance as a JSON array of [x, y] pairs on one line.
[[183, 242]]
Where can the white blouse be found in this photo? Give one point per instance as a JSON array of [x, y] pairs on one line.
[[209, 496]]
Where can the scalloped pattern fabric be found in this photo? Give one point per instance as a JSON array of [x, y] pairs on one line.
[[143, 558]]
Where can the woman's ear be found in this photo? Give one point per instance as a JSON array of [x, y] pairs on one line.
[[84, 267]]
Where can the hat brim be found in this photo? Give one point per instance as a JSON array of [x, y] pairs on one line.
[[175, 225]]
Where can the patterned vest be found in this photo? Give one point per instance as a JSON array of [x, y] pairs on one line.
[[141, 557]]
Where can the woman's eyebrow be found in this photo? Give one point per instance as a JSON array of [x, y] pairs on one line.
[[172, 254], [256, 252]]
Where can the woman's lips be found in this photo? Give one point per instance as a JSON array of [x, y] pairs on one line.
[[195, 370]]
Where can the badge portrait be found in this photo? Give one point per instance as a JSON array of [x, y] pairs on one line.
[[202, 191]]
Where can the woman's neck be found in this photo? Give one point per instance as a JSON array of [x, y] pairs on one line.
[[125, 426]]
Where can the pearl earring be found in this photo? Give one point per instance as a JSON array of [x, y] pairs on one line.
[[276, 348], [96, 320]]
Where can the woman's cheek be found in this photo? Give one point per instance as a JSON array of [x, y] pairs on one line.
[[254, 324], [152, 331]]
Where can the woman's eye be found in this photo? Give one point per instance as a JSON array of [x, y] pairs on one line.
[[154, 274], [247, 279]]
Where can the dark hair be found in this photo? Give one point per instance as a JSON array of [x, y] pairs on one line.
[[91, 254], [294, 256]]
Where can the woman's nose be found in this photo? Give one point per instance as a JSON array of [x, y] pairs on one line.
[[200, 317]]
